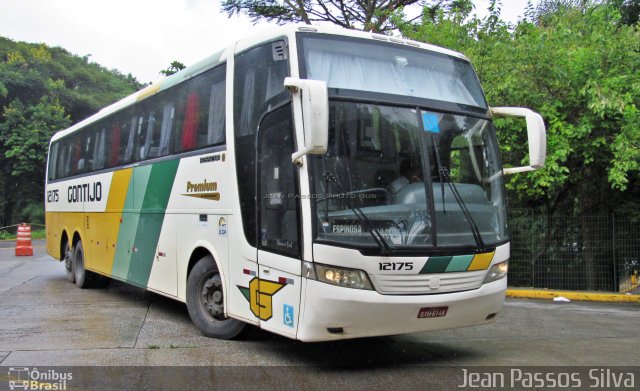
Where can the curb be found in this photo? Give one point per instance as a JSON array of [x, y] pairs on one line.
[[572, 295]]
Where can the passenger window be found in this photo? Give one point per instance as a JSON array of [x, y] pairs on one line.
[[127, 139], [149, 143], [201, 111], [99, 150], [85, 163], [168, 114], [114, 151], [53, 158], [215, 128]]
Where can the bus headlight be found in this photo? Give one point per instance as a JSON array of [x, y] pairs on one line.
[[497, 271], [348, 278]]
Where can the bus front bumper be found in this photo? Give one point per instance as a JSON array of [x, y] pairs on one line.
[[331, 312]]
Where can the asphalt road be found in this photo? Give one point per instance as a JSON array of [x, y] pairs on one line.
[[46, 320]]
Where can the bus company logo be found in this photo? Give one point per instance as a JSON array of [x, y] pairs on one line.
[[86, 192], [21, 378], [204, 189], [260, 296]]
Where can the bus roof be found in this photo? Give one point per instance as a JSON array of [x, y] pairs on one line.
[[220, 57]]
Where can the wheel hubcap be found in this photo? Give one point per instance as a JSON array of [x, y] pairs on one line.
[[211, 297]]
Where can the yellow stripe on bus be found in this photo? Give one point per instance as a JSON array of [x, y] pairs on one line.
[[147, 92], [481, 261], [118, 190]]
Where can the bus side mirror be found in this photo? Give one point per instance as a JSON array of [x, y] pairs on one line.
[[535, 132], [314, 101]]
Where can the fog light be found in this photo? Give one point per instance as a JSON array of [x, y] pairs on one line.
[[348, 278], [497, 271]]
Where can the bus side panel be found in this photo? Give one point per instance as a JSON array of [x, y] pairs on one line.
[[142, 220], [163, 276], [106, 225], [129, 222], [64, 213], [53, 233], [152, 216], [71, 222]]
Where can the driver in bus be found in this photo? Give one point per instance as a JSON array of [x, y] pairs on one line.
[[408, 174]]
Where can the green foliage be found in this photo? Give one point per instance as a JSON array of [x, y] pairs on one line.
[[32, 212], [368, 15], [26, 130], [577, 65], [43, 90], [176, 66]]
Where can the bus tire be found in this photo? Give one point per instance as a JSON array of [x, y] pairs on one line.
[[84, 277], [67, 258], [206, 303]]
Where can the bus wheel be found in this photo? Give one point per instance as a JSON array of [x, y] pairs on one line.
[[83, 276], [205, 301], [68, 262]]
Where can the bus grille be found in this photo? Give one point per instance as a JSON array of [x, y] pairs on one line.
[[420, 284]]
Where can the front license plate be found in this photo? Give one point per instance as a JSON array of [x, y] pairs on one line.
[[432, 312]]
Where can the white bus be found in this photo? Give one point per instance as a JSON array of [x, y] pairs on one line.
[[316, 182]]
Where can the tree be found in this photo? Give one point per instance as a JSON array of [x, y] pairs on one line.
[[629, 10], [25, 132], [176, 66], [43, 90], [367, 15]]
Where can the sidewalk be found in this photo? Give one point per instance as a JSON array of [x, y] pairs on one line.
[[550, 294]]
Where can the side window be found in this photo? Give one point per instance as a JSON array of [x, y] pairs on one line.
[[278, 195], [53, 158], [131, 152], [187, 121], [201, 111], [156, 129], [75, 157], [116, 136], [62, 158], [99, 150], [125, 126], [168, 114], [87, 137], [258, 86], [215, 126]]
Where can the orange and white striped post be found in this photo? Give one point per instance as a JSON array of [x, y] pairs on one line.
[[23, 240]]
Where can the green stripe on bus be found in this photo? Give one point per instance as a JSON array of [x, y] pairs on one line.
[[436, 265], [126, 247], [154, 205], [459, 263], [126, 232]]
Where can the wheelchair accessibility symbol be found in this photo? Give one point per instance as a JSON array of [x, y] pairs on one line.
[[287, 315]]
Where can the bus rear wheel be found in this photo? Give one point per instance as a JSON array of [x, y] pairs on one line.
[[84, 278], [68, 262], [205, 301]]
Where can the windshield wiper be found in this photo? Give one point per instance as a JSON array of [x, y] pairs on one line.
[[383, 245], [444, 175]]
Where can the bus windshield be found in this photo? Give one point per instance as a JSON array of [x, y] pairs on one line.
[[404, 178], [415, 177]]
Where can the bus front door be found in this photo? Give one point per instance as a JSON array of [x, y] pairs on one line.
[[279, 265]]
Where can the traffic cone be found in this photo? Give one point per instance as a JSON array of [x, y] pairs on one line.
[[23, 240]]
